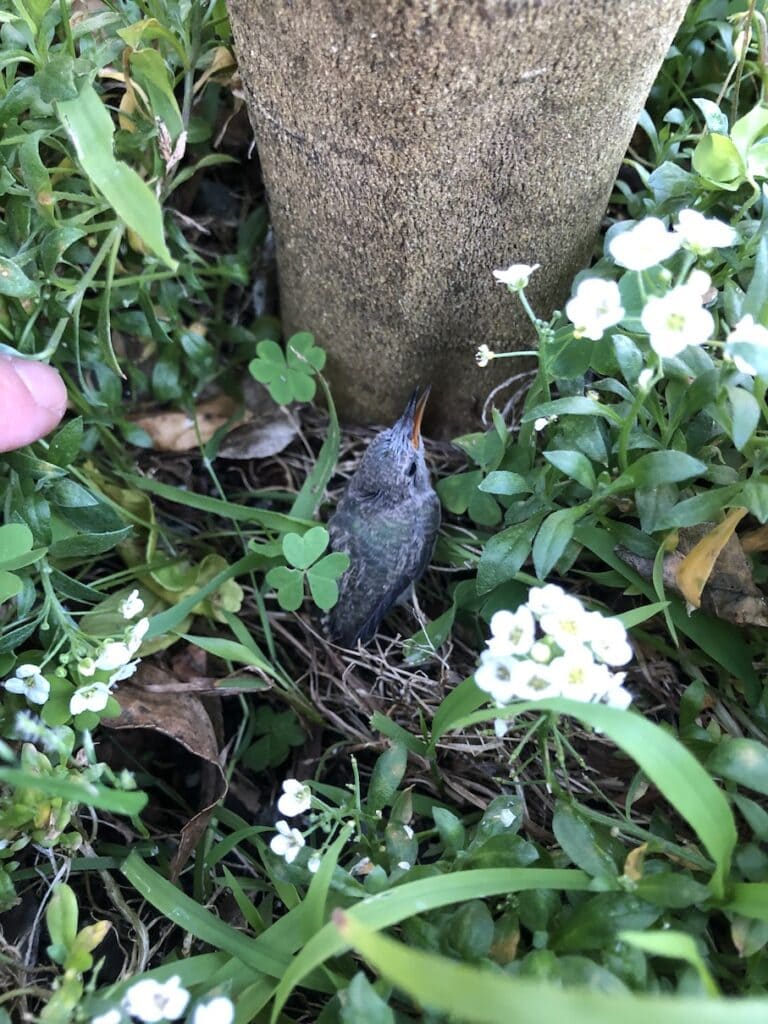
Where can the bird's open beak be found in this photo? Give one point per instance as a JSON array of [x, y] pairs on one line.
[[418, 414]]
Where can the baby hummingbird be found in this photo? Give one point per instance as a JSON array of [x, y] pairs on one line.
[[387, 522]]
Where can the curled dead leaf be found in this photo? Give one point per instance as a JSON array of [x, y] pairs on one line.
[[728, 590], [180, 716]]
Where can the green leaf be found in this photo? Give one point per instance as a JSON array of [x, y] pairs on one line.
[[324, 591], [574, 465], [505, 553], [748, 129], [66, 442], [10, 585], [361, 1002], [302, 550], [150, 71], [14, 282], [289, 584], [304, 354], [86, 545], [742, 761], [90, 128], [61, 916], [15, 539], [456, 491], [501, 481], [745, 416], [715, 119], [717, 159], [579, 840], [553, 538], [387, 775], [670, 467], [573, 407], [452, 832], [754, 494]]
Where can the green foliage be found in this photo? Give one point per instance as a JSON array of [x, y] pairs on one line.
[[303, 555], [289, 375]]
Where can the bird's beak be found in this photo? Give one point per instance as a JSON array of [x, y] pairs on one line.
[[419, 404]]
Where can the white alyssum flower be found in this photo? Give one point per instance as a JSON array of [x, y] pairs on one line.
[[500, 727], [579, 677], [287, 843], [86, 667], [494, 676], [565, 621], [152, 1001], [110, 1017], [676, 320], [93, 697], [484, 355], [608, 640], [594, 308], [29, 682], [545, 599], [748, 332], [533, 681], [512, 632], [572, 659], [516, 276], [136, 634], [702, 234], [645, 379], [542, 423], [113, 655], [219, 1010], [313, 864], [296, 798], [123, 672], [132, 605], [644, 245]]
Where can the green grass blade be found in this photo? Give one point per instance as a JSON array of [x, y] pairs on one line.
[[117, 801], [676, 945], [395, 905], [91, 130], [478, 996], [277, 521], [311, 493]]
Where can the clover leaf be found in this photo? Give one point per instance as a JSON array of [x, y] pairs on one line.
[[289, 374], [303, 554]]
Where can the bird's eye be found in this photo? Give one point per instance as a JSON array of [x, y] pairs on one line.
[[412, 468]]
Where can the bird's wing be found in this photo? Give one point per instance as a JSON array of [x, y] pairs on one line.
[[372, 584]]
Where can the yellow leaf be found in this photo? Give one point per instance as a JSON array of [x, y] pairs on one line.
[[695, 569], [633, 865]]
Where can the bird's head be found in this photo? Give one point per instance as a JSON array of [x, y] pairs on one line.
[[393, 467]]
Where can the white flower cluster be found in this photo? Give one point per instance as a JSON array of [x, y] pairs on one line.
[[296, 799], [113, 660], [153, 1001], [678, 318], [553, 647]]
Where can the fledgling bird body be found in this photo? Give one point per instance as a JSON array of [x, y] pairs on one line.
[[387, 522]]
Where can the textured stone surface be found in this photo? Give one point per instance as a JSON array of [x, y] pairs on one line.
[[410, 147]]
